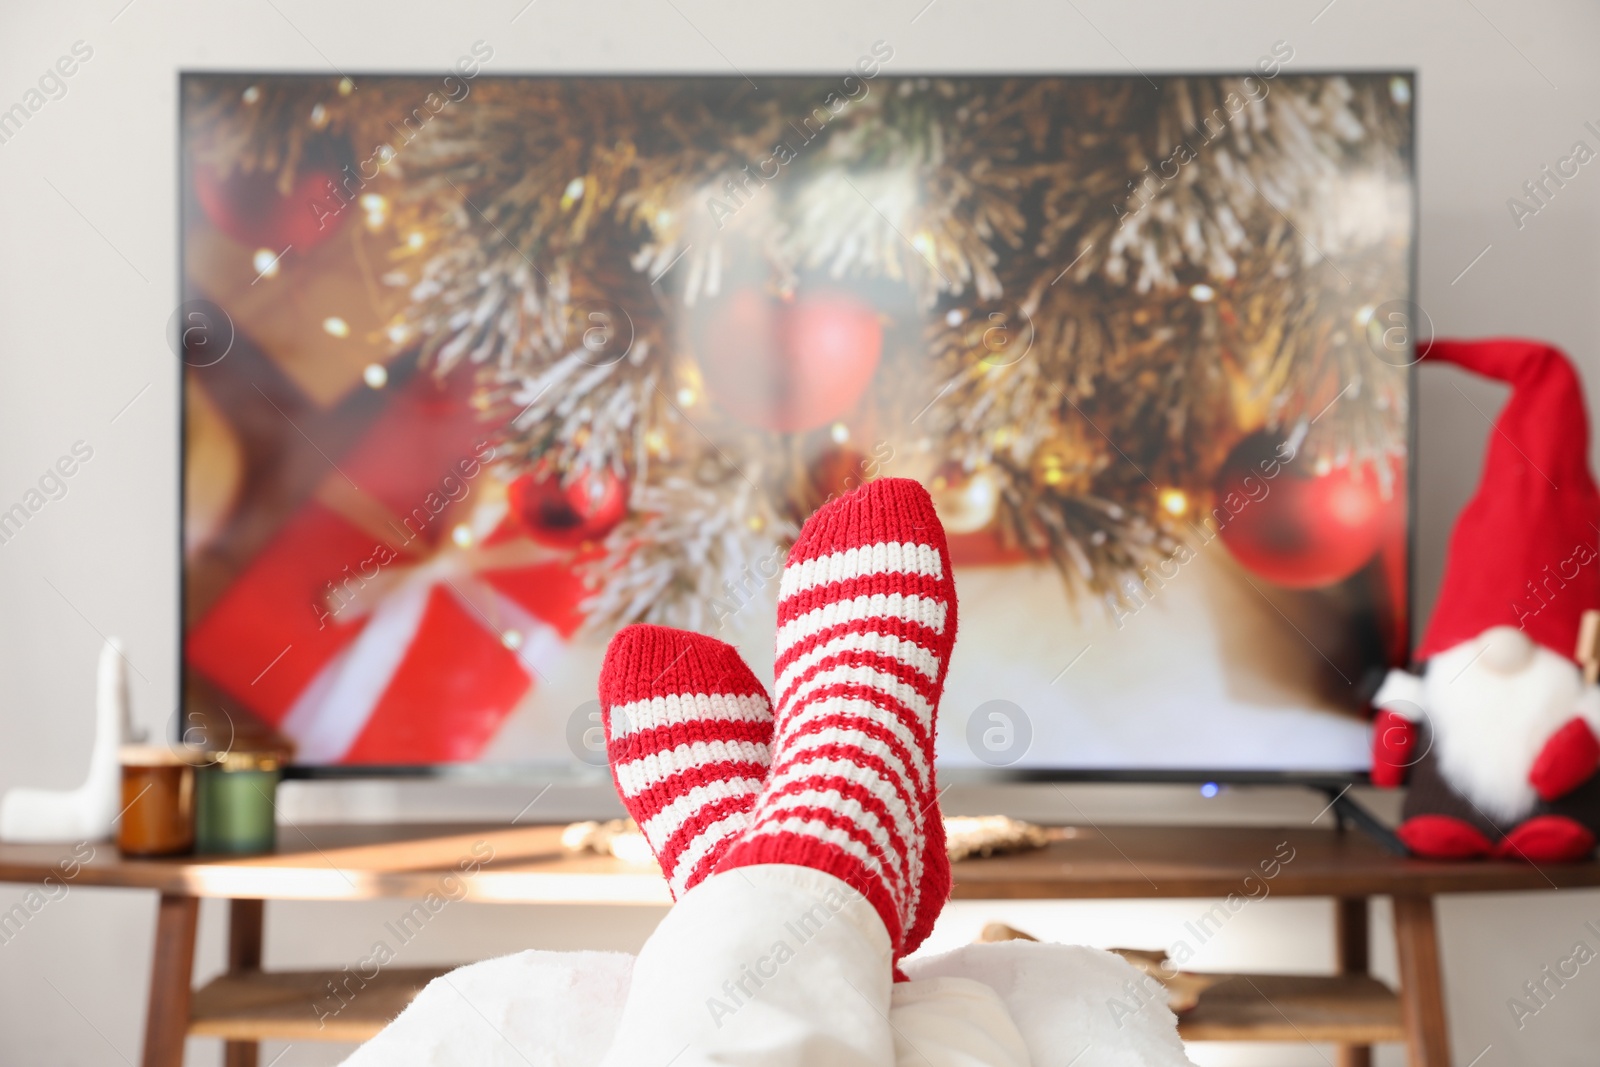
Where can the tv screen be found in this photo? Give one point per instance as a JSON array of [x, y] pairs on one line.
[[478, 368]]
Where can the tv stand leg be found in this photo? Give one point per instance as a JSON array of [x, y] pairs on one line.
[[1421, 983], [171, 972], [244, 955], [1351, 946], [1348, 810]]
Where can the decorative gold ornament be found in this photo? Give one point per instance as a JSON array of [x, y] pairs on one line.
[[965, 500]]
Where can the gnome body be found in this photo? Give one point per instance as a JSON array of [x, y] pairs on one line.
[[1498, 736]]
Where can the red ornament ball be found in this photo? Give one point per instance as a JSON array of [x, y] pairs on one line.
[[834, 473], [247, 206], [567, 516], [789, 365], [1293, 526]]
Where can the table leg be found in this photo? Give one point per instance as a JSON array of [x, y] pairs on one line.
[[1421, 983], [244, 954], [171, 974], [1351, 944]]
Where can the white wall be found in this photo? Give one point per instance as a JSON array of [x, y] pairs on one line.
[[87, 283]]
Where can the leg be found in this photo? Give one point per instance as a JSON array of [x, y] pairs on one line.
[[1439, 823], [1421, 985], [1557, 831], [761, 965], [244, 954], [1350, 947], [167, 1020], [785, 954]]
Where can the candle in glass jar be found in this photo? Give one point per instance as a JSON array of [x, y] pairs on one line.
[[235, 810], [157, 802]]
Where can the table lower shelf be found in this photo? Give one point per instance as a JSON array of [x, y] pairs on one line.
[[1337, 1009], [304, 1005], [338, 1006]]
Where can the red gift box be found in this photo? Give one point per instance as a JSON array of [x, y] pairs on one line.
[[394, 618]]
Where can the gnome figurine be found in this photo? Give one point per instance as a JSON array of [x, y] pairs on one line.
[[1497, 737]]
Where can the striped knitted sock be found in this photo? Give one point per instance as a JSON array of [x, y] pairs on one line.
[[866, 623], [688, 735]]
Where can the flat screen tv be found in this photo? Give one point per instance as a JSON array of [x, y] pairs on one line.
[[479, 367]]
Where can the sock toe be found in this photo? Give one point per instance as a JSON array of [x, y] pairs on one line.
[[893, 508]]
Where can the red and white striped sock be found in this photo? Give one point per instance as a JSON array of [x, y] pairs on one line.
[[688, 735], [866, 623]]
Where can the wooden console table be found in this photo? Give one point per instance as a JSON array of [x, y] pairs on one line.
[[528, 866]]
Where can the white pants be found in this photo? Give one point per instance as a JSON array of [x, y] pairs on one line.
[[784, 966]]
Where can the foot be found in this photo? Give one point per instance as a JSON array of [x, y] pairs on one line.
[[1547, 839], [866, 624], [688, 735], [1441, 837]]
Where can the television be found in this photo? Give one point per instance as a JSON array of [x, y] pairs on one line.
[[480, 366]]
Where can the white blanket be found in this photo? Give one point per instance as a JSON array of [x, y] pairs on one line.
[[559, 1009], [999, 1005]]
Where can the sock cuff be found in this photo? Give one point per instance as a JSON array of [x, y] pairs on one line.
[[803, 850]]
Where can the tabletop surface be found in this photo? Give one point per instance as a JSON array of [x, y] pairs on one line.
[[527, 864]]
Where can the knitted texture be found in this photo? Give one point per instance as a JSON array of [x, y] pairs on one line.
[[688, 735], [866, 623]]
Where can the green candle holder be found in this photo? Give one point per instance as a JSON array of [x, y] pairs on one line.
[[235, 803]]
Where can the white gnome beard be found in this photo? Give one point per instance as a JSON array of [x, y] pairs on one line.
[[1489, 726]]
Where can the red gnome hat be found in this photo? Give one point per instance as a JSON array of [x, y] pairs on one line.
[[1523, 552]]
